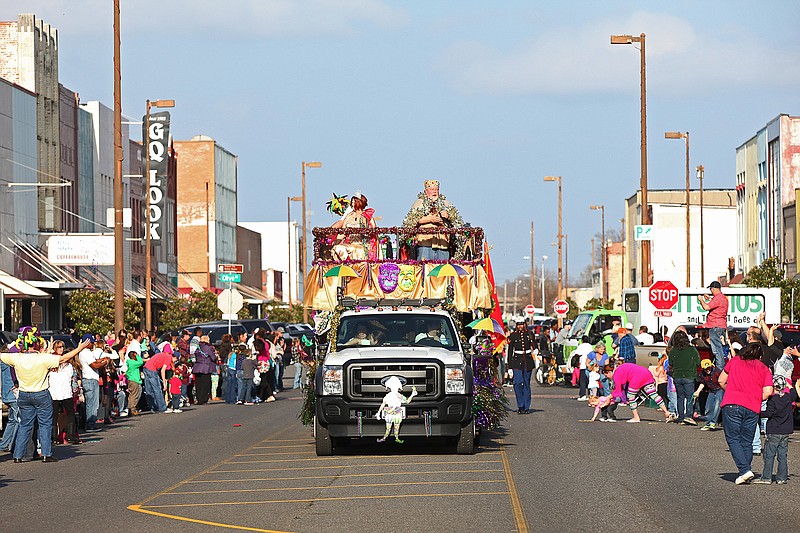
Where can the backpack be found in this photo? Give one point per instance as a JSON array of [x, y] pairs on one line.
[[575, 360]]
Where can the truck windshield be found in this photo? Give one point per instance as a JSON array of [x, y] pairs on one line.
[[578, 329], [407, 330]]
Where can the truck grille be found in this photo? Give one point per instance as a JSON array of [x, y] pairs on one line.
[[364, 379]]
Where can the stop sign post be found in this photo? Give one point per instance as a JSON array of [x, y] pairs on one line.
[[663, 295], [230, 301], [561, 308]]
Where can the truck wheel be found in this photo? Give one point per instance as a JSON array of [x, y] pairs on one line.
[[466, 440], [323, 439]]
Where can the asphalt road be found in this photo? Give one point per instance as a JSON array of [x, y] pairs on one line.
[[546, 471]]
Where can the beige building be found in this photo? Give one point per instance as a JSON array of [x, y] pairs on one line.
[[206, 210], [668, 247]]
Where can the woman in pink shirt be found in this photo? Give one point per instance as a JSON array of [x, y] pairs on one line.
[[631, 379], [746, 381]]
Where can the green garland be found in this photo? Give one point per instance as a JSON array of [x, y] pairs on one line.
[[440, 204]]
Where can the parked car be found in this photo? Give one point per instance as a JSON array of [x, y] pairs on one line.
[[252, 323], [215, 330], [69, 341], [298, 330]]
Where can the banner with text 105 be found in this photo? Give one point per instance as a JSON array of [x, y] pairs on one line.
[[157, 138]]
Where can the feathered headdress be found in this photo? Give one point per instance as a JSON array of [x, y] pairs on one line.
[[337, 205]]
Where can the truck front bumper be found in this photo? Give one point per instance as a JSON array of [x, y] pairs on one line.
[[446, 417]]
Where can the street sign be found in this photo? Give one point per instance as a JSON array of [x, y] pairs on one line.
[[237, 269], [643, 233], [663, 314], [529, 309], [228, 277], [561, 308], [663, 294], [230, 301]]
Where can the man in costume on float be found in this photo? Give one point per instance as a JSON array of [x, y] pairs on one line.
[[432, 210], [391, 409]]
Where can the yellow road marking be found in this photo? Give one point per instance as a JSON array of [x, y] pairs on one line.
[[516, 504], [311, 500], [310, 445], [340, 458], [337, 466], [431, 472], [339, 487], [176, 485], [138, 509], [273, 453], [286, 440]]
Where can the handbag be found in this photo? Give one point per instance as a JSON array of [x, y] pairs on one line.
[[257, 379]]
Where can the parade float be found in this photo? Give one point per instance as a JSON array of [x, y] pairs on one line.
[[391, 326]]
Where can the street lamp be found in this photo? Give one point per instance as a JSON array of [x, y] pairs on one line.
[[516, 302], [544, 258], [148, 281], [700, 172], [311, 164], [630, 39], [560, 235], [679, 135], [602, 209], [289, 200]]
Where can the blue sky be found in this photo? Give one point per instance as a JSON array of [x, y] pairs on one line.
[[487, 97]]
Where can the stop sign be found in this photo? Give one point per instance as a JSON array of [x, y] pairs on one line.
[[663, 294], [529, 309], [561, 307]]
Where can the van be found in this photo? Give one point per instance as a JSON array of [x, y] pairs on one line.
[[594, 324]]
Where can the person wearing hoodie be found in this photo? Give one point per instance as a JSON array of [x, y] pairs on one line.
[[205, 364], [780, 424]]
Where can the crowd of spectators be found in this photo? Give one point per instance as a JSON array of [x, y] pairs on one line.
[[55, 398]]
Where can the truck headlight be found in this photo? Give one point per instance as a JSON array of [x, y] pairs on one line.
[[332, 383], [454, 380]]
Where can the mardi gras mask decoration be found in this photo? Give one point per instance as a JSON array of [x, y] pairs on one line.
[[407, 279], [388, 274], [306, 341]]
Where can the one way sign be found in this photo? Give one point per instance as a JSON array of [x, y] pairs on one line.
[[643, 233]]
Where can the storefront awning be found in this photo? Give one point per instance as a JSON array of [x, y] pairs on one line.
[[19, 289]]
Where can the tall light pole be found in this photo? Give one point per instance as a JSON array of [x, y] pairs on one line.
[[624, 244], [630, 39], [560, 235], [700, 173], [516, 302], [679, 135], [544, 258], [148, 281], [119, 240], [311, 164], [289, 200], [533, 265], [566, 266], [604, 262]]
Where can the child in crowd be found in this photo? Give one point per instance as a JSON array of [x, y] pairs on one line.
[[594, 379], [709, 380], [603, 406], [248, 373], [606, 386], [175, 383], [780, 424]]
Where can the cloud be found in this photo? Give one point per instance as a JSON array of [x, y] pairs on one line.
[[579, 60], [231, 18]]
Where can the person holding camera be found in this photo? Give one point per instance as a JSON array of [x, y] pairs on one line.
[[716, 321]]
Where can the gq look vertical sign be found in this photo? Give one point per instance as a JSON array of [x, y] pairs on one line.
[[157, 135]]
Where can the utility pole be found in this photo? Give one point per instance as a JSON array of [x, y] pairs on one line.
[[533, 267], [119, 240]]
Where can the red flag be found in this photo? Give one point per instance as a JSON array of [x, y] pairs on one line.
[[497, 313]]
